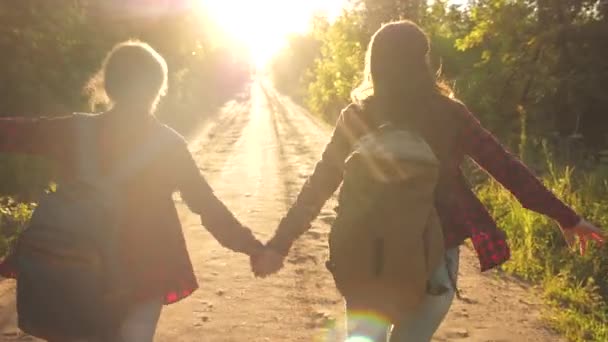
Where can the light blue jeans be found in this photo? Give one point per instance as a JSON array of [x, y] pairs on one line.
[[416, 326], [140, 323], [138, 326]]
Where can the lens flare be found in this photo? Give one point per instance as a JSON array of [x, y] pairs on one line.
[[143, 8], [264, 25], [362, 326]]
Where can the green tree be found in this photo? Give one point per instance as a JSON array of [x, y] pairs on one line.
[[338, 70]]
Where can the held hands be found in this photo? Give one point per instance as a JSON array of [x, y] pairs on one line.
[[266, 262], [585, 232]]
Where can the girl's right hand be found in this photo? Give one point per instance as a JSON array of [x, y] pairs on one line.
[[585, 232]]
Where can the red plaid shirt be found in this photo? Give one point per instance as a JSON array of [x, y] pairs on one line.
[[469, 218], [465, 216], [152, 243]]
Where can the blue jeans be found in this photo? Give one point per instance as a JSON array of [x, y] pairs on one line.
[[140, 323], [416, 326]]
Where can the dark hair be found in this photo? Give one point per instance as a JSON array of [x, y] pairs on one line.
[[398, 82], [133, 75]]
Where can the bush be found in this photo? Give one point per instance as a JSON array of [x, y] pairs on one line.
[[13, 218], [577, 287]]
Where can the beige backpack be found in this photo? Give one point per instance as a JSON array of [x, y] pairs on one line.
[[387, 239]]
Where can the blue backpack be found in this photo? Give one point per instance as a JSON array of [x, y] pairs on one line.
[[70, 280]]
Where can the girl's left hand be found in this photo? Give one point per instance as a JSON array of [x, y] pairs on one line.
[[585, 232]]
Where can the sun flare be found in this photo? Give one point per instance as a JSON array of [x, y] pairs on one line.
[[264, 25]]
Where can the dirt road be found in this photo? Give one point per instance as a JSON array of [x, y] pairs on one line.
[[256, 153]]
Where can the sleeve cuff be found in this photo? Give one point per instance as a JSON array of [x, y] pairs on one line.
[[279, 246], [252, 248], [569, 221]]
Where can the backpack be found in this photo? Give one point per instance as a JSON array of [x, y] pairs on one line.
[[70, 282], [387, 238]]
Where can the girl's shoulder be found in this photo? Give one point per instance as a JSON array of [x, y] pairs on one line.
[[169, 137], [358, 114], [350, 111], [457, 109], [356, 120]]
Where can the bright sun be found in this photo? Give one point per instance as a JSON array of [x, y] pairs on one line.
[[263, 25]]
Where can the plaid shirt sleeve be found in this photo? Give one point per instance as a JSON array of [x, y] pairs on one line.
[[509, 171], [47, 137]]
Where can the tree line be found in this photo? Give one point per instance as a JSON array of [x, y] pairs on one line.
[[527, 65]]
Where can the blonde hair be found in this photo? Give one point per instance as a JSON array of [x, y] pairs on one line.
[[132, 75]]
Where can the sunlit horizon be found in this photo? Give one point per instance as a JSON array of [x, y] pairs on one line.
[[264, 25]]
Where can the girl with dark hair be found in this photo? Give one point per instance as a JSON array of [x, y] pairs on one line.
[[399, 87], [156, 163]]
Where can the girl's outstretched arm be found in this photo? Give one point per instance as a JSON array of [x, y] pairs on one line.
[[509, 171], [46, 137]]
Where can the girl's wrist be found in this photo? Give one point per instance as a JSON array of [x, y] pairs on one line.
[[253, 248], [278, 246], [572, 223]]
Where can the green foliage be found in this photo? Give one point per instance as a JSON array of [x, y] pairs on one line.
[[576, 286], [338, 70], [504, 57], [321, 68], [291, 65], [43, 55], [24, 177], [13, 217], [544, 56], [50, 49]]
